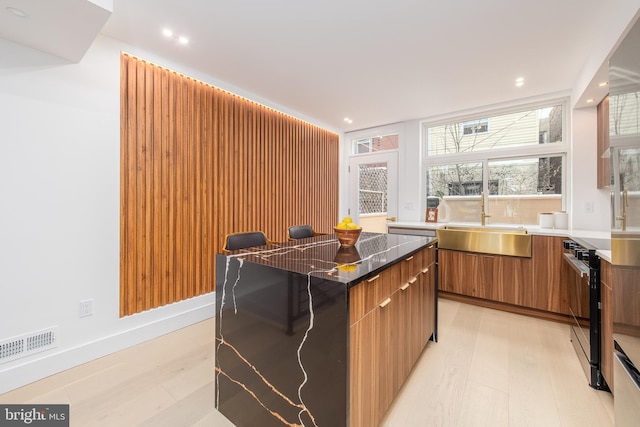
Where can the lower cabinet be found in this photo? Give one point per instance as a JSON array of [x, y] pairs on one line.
[[539, 282], [387, 339], [551, 274], [459, 272], [366, 374], [492, 277]]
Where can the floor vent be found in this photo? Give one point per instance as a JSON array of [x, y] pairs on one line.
[[28, 344]]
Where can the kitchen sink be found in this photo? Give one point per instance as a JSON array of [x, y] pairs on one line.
[[625, 247], [487, 240]]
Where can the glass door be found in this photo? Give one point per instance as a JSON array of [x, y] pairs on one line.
[[373, 190]]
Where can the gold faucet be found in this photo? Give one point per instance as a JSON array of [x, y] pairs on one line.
[[625, 203], [483, 216]]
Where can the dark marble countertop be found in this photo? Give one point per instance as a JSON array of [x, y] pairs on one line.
[[323, 257]]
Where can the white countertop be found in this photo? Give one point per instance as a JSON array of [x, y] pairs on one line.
[[531, 229]]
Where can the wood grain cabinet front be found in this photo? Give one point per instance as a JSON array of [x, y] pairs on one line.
[[551, 275], [603, 165], [538, 283], [387, 338], [366, 296]]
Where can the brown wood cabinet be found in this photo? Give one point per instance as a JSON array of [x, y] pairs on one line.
[[540, 282], [606, 299], [365, 374], [512, 280], [392, 317], [603, 165], [459, 272], [550, 275], [492, 277]]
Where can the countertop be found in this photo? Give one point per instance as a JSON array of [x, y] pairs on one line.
[[599, 239], [323, 257]]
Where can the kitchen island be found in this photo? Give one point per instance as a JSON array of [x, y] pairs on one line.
[[309, 333]]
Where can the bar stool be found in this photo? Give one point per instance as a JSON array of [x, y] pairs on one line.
[[302, 232], [244, 240]]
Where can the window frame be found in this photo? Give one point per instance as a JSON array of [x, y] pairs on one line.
[[556, 149], [368, 141]]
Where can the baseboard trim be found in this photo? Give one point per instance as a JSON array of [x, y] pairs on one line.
[[21, 374]]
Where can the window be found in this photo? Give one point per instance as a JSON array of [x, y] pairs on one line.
[[518, 162], [524, 188], [378, 143], [476, 126], [458, 179], [373, 188], [515, 129]]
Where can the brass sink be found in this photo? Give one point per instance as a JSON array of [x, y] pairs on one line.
[[625, 248], [486, 240]]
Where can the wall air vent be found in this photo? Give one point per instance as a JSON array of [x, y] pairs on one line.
[[28, 344]]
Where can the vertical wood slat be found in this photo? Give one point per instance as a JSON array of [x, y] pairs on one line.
[[140, 188], [198, 163]]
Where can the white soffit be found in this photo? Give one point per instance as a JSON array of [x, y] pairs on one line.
[[64, 28]]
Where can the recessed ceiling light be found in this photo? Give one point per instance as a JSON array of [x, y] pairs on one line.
[[17, 12], [519, 81], [172, 36], [603, 84], [590, 100], [348, 120]]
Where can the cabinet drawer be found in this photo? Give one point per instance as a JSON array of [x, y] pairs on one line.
[[410, 267], [366, 295], [428, 256]]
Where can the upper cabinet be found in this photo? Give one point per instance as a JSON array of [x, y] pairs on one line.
[[624, 133], [604, 175]]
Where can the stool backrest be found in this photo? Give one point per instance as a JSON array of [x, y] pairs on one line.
[[300, 232], [250, 239]]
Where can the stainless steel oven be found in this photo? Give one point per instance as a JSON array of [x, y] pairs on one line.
[[583, 291]]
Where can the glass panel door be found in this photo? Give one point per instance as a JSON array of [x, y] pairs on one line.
[[373, 182]]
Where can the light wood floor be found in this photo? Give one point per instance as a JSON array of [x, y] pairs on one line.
[[489, 368]]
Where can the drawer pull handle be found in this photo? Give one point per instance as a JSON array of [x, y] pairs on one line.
[[409, 259], [412, 280], [384, 303], [405, 286], [425, 270], [373, 278]]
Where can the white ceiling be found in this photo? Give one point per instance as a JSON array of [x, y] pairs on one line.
[[53, 26], [375, 62]]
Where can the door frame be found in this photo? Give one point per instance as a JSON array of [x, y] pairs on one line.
[[388, 156]]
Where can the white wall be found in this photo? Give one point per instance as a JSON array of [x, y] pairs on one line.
[[59, 216], [412, 206], [589, 207]]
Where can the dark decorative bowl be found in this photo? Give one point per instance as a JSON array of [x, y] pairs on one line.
[[347, 238]]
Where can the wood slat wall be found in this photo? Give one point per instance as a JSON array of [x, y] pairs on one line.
[[198, 163]]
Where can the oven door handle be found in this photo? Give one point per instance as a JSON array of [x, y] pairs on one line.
[[577, 265]]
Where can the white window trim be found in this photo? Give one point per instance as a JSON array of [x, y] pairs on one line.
[[396, 128]]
